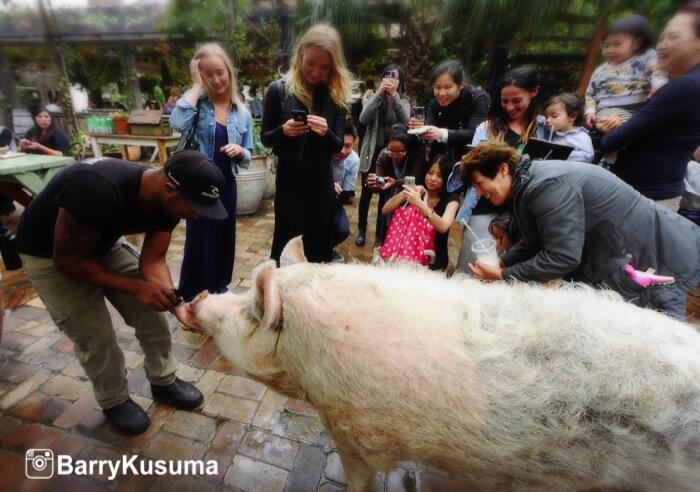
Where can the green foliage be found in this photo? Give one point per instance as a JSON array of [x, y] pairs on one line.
[[258, 147], [94, 68], [159, 95]]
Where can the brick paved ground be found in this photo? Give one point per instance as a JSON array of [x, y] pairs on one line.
[[261, 440]]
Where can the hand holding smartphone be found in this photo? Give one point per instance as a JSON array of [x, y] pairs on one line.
[[299, 115], [419, 113]]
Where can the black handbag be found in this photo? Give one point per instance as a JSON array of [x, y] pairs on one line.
[[187, 141]]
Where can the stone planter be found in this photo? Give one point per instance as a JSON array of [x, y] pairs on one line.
[[270, 185], [250, 188]]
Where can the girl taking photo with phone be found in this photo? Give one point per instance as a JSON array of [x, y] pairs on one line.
[[319, 84]]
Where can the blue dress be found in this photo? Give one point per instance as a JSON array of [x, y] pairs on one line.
[[210, 245]]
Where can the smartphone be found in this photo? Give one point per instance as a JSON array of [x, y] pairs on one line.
[[299, 115], [419, 113], [409, 180]]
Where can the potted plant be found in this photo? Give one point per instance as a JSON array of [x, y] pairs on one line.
[[121, 122], [258, 181]]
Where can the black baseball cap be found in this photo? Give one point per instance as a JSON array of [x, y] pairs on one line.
[[199, 182]]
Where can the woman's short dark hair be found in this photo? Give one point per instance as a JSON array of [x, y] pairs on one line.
[[574, 104], [487, 158], [402, 77], [526, 78], [452, 67], [635, 25]]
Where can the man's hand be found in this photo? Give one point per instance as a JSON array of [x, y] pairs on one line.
[[337, 188], [185, 315], [155, 296], [484, 271]]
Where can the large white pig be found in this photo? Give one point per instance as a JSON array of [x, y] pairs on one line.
[[510, 387]]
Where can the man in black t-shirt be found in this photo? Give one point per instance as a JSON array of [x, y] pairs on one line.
[[69, 239]]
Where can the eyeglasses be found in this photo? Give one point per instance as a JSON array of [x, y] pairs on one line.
[[396, 153]]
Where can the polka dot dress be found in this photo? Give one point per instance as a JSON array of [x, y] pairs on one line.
[[411, 237]]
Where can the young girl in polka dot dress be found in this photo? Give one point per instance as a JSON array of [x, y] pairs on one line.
[[440, 209]]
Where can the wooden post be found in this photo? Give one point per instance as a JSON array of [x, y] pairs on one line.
[[128, 61], [592, 56], [7, 90]]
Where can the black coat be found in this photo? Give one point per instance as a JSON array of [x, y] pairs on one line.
[[461, 118], [304, 196], [581, 219]]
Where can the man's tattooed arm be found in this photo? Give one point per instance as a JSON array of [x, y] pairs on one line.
[[73, 249]]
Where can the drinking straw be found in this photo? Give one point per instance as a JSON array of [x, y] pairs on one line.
[[472, 232]]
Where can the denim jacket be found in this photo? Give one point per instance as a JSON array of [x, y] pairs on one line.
[[239, 126]]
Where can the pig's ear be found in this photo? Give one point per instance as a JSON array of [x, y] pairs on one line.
[[266, 305], [293, 252]]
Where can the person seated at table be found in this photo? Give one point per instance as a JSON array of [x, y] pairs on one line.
[[45, 137], [582, 220]]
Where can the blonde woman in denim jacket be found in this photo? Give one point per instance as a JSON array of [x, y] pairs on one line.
[[224, 134]]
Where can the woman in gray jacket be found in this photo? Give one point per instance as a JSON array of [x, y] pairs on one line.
[[380, 111], [581, 221]]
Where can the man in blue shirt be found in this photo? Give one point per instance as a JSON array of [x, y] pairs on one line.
[[345, 165]]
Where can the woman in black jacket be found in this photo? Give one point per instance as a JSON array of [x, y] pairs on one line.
[[454, 113], [304, 122]]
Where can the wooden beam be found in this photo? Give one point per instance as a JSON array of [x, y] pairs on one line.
[[592, 56]]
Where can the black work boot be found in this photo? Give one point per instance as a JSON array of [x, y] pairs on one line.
[[179, 394], [128, 417]]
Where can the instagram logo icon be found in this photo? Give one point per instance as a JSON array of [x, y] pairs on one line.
[[38, 463]]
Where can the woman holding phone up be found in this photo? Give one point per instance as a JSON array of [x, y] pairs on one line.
[[380, 111], [304, 122]]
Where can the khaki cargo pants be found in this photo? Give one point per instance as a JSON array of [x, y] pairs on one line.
[[80, 311]]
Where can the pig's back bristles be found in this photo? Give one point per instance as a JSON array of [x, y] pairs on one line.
[[509, 386]]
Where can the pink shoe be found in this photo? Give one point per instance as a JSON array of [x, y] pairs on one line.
[[648, 278]]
